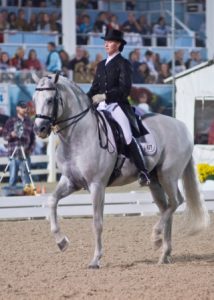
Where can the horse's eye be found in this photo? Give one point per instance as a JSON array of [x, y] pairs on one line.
[[49, 101]]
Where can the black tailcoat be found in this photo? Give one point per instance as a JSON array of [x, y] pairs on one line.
[[115, 81]]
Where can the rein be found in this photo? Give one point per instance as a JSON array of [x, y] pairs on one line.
[[99, 117]]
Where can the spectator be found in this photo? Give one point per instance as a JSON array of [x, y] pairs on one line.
[[40, 20], [143, 102], [101, 22], [134, 60], [113, 22], [200, 36], [79, 66], [150, 59], [3, 22], [44, 24], [161, 30], [18, 132], [53, 63], [131, 25], [163, 73], [79, 58], [83, 29], [131, 5], [86, 4], [12, 25], [194, 60], [33, 23], [5, 16], [65, 61], [144, 75], [32, 63], [80, 74], [5, 62], [18, 59], [92, 67], [179, 62], [145, 30], [21, 23], [53, 19], [3, 26]]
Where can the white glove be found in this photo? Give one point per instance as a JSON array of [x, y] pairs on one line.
[[98, 98]]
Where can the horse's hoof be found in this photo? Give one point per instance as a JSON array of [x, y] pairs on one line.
[[165, 260], [63, 244], [157, 244], [94, 267]]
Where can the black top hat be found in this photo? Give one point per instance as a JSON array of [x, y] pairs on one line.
[[114, 35]]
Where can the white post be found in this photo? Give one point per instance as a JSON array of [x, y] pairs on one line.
[[173, 56], [209, 28], [69, 26]]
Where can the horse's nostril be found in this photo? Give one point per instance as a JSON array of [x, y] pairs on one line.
[[43, 128]]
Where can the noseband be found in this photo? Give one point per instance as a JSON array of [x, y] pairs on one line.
[[53, 118]]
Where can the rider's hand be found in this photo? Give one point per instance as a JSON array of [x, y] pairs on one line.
[[98, 98]]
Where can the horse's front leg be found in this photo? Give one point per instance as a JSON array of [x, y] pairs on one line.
[[63, 189], [97, 193]]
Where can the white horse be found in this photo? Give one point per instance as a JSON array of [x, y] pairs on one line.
[[85, 162]]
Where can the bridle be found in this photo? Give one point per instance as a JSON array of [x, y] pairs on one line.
[[53, 118]]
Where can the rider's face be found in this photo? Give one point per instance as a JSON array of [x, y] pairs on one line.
[[112, 47]]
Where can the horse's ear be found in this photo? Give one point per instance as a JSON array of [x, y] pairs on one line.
[[57, 76], [35, 77]]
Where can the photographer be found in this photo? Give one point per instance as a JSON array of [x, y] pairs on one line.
[[18, 132]]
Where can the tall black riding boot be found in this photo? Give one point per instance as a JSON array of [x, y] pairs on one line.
[[139, 161]]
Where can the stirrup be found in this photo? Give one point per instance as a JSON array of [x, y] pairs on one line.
[[143, 178]]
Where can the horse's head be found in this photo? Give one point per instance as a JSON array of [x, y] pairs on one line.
[[46, 99]]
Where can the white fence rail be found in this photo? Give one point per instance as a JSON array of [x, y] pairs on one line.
[[79, 205]]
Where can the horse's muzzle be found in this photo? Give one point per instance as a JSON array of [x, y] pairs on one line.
[[43, 129]]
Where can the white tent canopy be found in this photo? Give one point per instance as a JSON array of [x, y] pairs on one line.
[[195, 83]]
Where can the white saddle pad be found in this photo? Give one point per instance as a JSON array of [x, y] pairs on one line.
[[148, 142]]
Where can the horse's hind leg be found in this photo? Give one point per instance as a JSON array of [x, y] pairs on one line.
[[164, 226], [63, 189], [97, 193], [161, 201], [174, 200]]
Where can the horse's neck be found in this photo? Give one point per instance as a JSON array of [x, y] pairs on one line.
[[80, 131]]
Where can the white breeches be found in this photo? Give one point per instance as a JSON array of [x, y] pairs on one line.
[[120, 117]]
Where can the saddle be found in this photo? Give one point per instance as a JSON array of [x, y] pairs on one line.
[[141, 132]]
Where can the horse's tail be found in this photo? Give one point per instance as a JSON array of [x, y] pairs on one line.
[[197, 214]]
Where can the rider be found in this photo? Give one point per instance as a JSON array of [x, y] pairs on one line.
[[110, 90]]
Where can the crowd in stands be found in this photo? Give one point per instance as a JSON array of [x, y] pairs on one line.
[[42, 22], [139, 26], [148, 68], [50, 21]]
